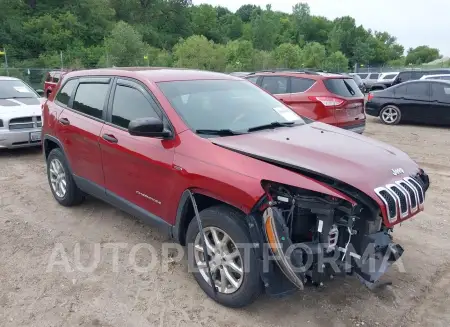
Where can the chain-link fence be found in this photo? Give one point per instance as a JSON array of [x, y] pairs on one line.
[[387, 69]]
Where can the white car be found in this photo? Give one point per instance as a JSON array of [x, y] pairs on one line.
[[440, 76], [20, 114]]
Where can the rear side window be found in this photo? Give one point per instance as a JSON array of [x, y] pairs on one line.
[[253, 79], [90, 98], [390, 76], [374, 76], [63, 96], [363, 75], [417, 89], [129, 104], [275, 84], [345, 87], [299, 85]]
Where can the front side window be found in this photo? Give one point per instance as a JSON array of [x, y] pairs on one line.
[[129, 104], [403, 77], [363, 76], [14, 88], [275, 84], [390, 76], [225, 105], [64, 95], [90, 99], [374, 76]]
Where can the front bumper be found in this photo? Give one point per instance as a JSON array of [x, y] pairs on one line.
[[11, 139]]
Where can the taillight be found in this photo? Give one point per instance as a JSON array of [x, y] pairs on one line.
[[370, 97], [328, 101]]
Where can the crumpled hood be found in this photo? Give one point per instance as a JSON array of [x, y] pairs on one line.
[[14, 108], [330, 151]]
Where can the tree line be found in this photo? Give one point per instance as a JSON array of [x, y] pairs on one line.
[[103, 33]]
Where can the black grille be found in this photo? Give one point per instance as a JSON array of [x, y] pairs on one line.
[[25, 123], [392, 208], [418, 186], [411, 193], [402, 197]]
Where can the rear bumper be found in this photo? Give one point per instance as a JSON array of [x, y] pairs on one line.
[[18, 138], [357, 128], [372, 110]]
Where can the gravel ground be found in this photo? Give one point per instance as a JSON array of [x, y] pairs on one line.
[[32, 224]]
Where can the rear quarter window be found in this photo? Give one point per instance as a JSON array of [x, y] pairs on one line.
[[345, 87]]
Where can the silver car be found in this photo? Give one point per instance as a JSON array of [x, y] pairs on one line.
[[20, 114]]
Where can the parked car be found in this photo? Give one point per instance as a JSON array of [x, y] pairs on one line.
[[369, 78], [51, 80], [440, 76], [329, 98], [408, 75], [388, 78], [20, 114], [425, 101], [146, 141], [358, 81]]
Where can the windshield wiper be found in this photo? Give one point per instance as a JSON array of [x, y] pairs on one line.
[[271, 125], [219, 132]]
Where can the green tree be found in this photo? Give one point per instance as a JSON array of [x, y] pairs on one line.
[[313, 55], [264, 30], [124, 46], [239, 54], [422, 54], [287, 55], [198, 52], [336, 62]]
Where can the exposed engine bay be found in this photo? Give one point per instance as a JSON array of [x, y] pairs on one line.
[[315, 237]]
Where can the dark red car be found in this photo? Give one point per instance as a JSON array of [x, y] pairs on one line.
[[282, 201], [51, 80], [329, 98]]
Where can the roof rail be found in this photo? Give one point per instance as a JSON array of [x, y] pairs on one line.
[[293, 70]]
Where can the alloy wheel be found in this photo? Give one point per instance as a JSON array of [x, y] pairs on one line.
[[58, 178], [224, 258], [390, 115]]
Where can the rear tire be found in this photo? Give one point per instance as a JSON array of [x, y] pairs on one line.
[[390, 115], [230, 221], [61, 181]]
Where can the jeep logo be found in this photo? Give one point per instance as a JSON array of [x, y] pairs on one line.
[[397, 171]]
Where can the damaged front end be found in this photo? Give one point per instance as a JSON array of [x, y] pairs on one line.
[[313, 237]]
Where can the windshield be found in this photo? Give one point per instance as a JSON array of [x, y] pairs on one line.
[[16, 89], [225, 105]]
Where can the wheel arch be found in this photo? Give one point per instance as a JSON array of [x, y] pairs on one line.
[[50, 143], [185, 210]]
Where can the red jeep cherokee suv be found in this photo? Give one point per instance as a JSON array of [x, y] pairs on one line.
[[329, 98], [307, 200]]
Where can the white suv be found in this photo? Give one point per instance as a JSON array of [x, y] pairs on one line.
[[20, 114]]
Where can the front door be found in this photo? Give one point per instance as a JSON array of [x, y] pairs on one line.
[[440, 103], [79, 126], [137, 169]]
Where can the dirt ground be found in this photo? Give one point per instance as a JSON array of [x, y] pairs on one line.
[[31, 223]]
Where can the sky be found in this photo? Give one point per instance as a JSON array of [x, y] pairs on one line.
[[413, 22]]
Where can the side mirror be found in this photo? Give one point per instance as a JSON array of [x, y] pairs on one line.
[[149, 127]]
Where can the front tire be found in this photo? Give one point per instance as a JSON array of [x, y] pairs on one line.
[[390, 115], [61, 181], [235, 272]]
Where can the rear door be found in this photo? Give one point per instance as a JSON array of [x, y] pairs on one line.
[[416, 101], [349, 103], [278, 86], [301, 89], [79, 127], [440, 103]]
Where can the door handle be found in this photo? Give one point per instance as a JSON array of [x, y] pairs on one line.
[[110, 138], [64, 121]]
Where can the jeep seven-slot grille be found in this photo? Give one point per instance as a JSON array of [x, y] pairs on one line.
[[25, 122], [401, 198]]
